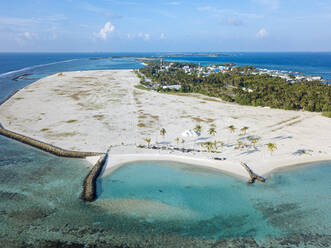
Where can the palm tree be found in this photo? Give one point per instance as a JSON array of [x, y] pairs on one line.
[[163, 132], [183, 141], [239, 144], [215, 144], [244, 130], [254, 141], [271, 147], [202, 145], [198, 128], [209, 145], [232, 128], [212, 131], [221, 143], [177, 141], [148, 141]]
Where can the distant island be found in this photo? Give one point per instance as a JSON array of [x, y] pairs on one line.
[[156, 57], [199, 54], [121, 57]]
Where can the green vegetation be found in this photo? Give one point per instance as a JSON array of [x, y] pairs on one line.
[[141, 124], [141, 87], [98, 117], [163, 132], [198, 128], [271, 147], [244, 130], [177, 140], [254, 141], [148, 141], [71, 121], [239, 144], [327, 114], [241, 86], [232, 128], [212, 131]]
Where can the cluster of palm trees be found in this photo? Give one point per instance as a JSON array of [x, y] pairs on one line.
[[213, 146], [252, 139]]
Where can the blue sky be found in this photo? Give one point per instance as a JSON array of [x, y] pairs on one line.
[[149, 26]]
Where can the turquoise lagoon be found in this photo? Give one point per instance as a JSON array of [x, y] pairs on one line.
[[204, 203], [157, 204]]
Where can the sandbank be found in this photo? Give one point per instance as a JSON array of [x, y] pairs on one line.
[[92, 110]]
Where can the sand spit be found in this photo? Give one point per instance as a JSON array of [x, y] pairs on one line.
[[92, 110]]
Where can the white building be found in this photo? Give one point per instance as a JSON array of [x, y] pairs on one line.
[[171, 87]]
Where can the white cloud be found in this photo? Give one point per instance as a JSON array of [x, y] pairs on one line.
[[162, 36], [175, 3], [122, 2], [96, 9], [130, 36], [205, 8], [271, 3], [18, 21], [112, 15], [92, 8], [147, 36], [262, 33], [108, 28], [233, 21], [54, 18], [230, 13], [27, 35]]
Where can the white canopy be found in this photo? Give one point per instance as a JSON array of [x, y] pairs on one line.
[[190, 133]]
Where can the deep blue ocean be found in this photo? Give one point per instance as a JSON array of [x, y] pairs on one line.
[[155, 202], [43, 64]]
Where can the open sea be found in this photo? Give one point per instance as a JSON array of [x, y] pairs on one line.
[[155, 204]]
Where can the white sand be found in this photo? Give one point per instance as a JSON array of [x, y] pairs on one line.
[[91, 110]]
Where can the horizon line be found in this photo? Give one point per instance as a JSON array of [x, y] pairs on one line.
[[179, 52]]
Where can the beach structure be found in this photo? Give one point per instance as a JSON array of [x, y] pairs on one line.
[[172, 87], [190, 133]]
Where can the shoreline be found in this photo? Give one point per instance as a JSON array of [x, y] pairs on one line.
[[95, 110], [115, 162]]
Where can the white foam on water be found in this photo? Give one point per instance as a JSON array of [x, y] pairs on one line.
[[33, 67]]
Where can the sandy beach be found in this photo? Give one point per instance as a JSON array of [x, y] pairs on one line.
[[92, 110]]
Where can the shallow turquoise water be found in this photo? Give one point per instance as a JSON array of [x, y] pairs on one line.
[[211, 205], [157, 205]]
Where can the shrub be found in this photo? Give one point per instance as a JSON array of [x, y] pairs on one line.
[[327, 114]]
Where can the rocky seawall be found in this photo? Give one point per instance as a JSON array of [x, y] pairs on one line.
[[46, 147], [90, 183]]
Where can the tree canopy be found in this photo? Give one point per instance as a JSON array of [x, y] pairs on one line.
[[242, 87]]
